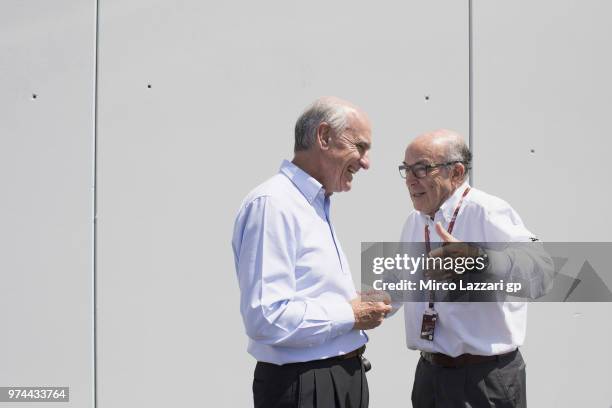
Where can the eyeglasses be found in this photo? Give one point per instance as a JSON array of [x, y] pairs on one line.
[[422, 170]]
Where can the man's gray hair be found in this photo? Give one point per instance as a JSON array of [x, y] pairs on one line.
[[328, 110], [458, 151]]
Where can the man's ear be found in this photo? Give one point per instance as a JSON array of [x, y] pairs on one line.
[[458, 172], [324, 134]]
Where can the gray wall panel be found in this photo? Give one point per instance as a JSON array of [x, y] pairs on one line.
[[542, 83], [228, 80], [46, 205], [226, 84]]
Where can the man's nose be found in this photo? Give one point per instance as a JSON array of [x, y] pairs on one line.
[[411, 179], [364, 161]]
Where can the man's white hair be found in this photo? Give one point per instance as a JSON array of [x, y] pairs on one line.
[[333, 111]]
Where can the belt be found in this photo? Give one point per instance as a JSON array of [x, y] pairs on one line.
[[352, 354], [355, 353], [443, 360]]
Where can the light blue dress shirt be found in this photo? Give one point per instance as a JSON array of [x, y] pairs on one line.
[[295, 282]]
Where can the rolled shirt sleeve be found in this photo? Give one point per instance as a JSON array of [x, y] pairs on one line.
[[515, 254]]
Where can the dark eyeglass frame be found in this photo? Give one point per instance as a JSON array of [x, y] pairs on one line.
[[422, 169]]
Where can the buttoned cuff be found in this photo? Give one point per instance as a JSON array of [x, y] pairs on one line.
[[342, 318]]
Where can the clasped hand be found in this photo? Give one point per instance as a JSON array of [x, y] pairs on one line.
[[370, 309]]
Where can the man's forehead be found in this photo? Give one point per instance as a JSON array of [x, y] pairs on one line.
[[435, 143], [421, 150], [360, 128]]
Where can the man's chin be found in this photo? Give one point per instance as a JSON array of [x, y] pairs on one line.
[[416, 206]]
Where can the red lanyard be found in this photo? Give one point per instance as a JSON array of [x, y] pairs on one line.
[[451, 224]]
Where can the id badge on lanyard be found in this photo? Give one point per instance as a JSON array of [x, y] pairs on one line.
[[430, 316]]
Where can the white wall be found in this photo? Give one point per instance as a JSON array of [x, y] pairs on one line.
[[47, 49], [227, 81], [541, 83]]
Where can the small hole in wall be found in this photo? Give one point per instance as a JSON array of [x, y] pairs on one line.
[[34, 96], [532, 150], [426, 97], [149, 86]]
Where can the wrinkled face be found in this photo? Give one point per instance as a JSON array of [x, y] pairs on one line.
[[346, 154], [430, 192]]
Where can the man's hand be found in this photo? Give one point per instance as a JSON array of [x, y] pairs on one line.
[[452, 248], [373, 295], [369, 314]]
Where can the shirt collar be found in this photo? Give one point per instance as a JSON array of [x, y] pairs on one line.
[[448, 207], [307, 185]]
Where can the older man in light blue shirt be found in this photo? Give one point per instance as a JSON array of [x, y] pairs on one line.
[[300, 309]]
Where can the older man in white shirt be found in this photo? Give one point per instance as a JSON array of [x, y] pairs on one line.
[[469, 353], [299, 306]]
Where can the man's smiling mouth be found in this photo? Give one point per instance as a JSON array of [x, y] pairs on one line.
[[351, 171]]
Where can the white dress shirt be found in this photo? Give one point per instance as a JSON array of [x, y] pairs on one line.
[[295, 282], [475, 328]]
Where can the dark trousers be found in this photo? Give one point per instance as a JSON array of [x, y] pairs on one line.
[[498, 383], [330, 383]]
